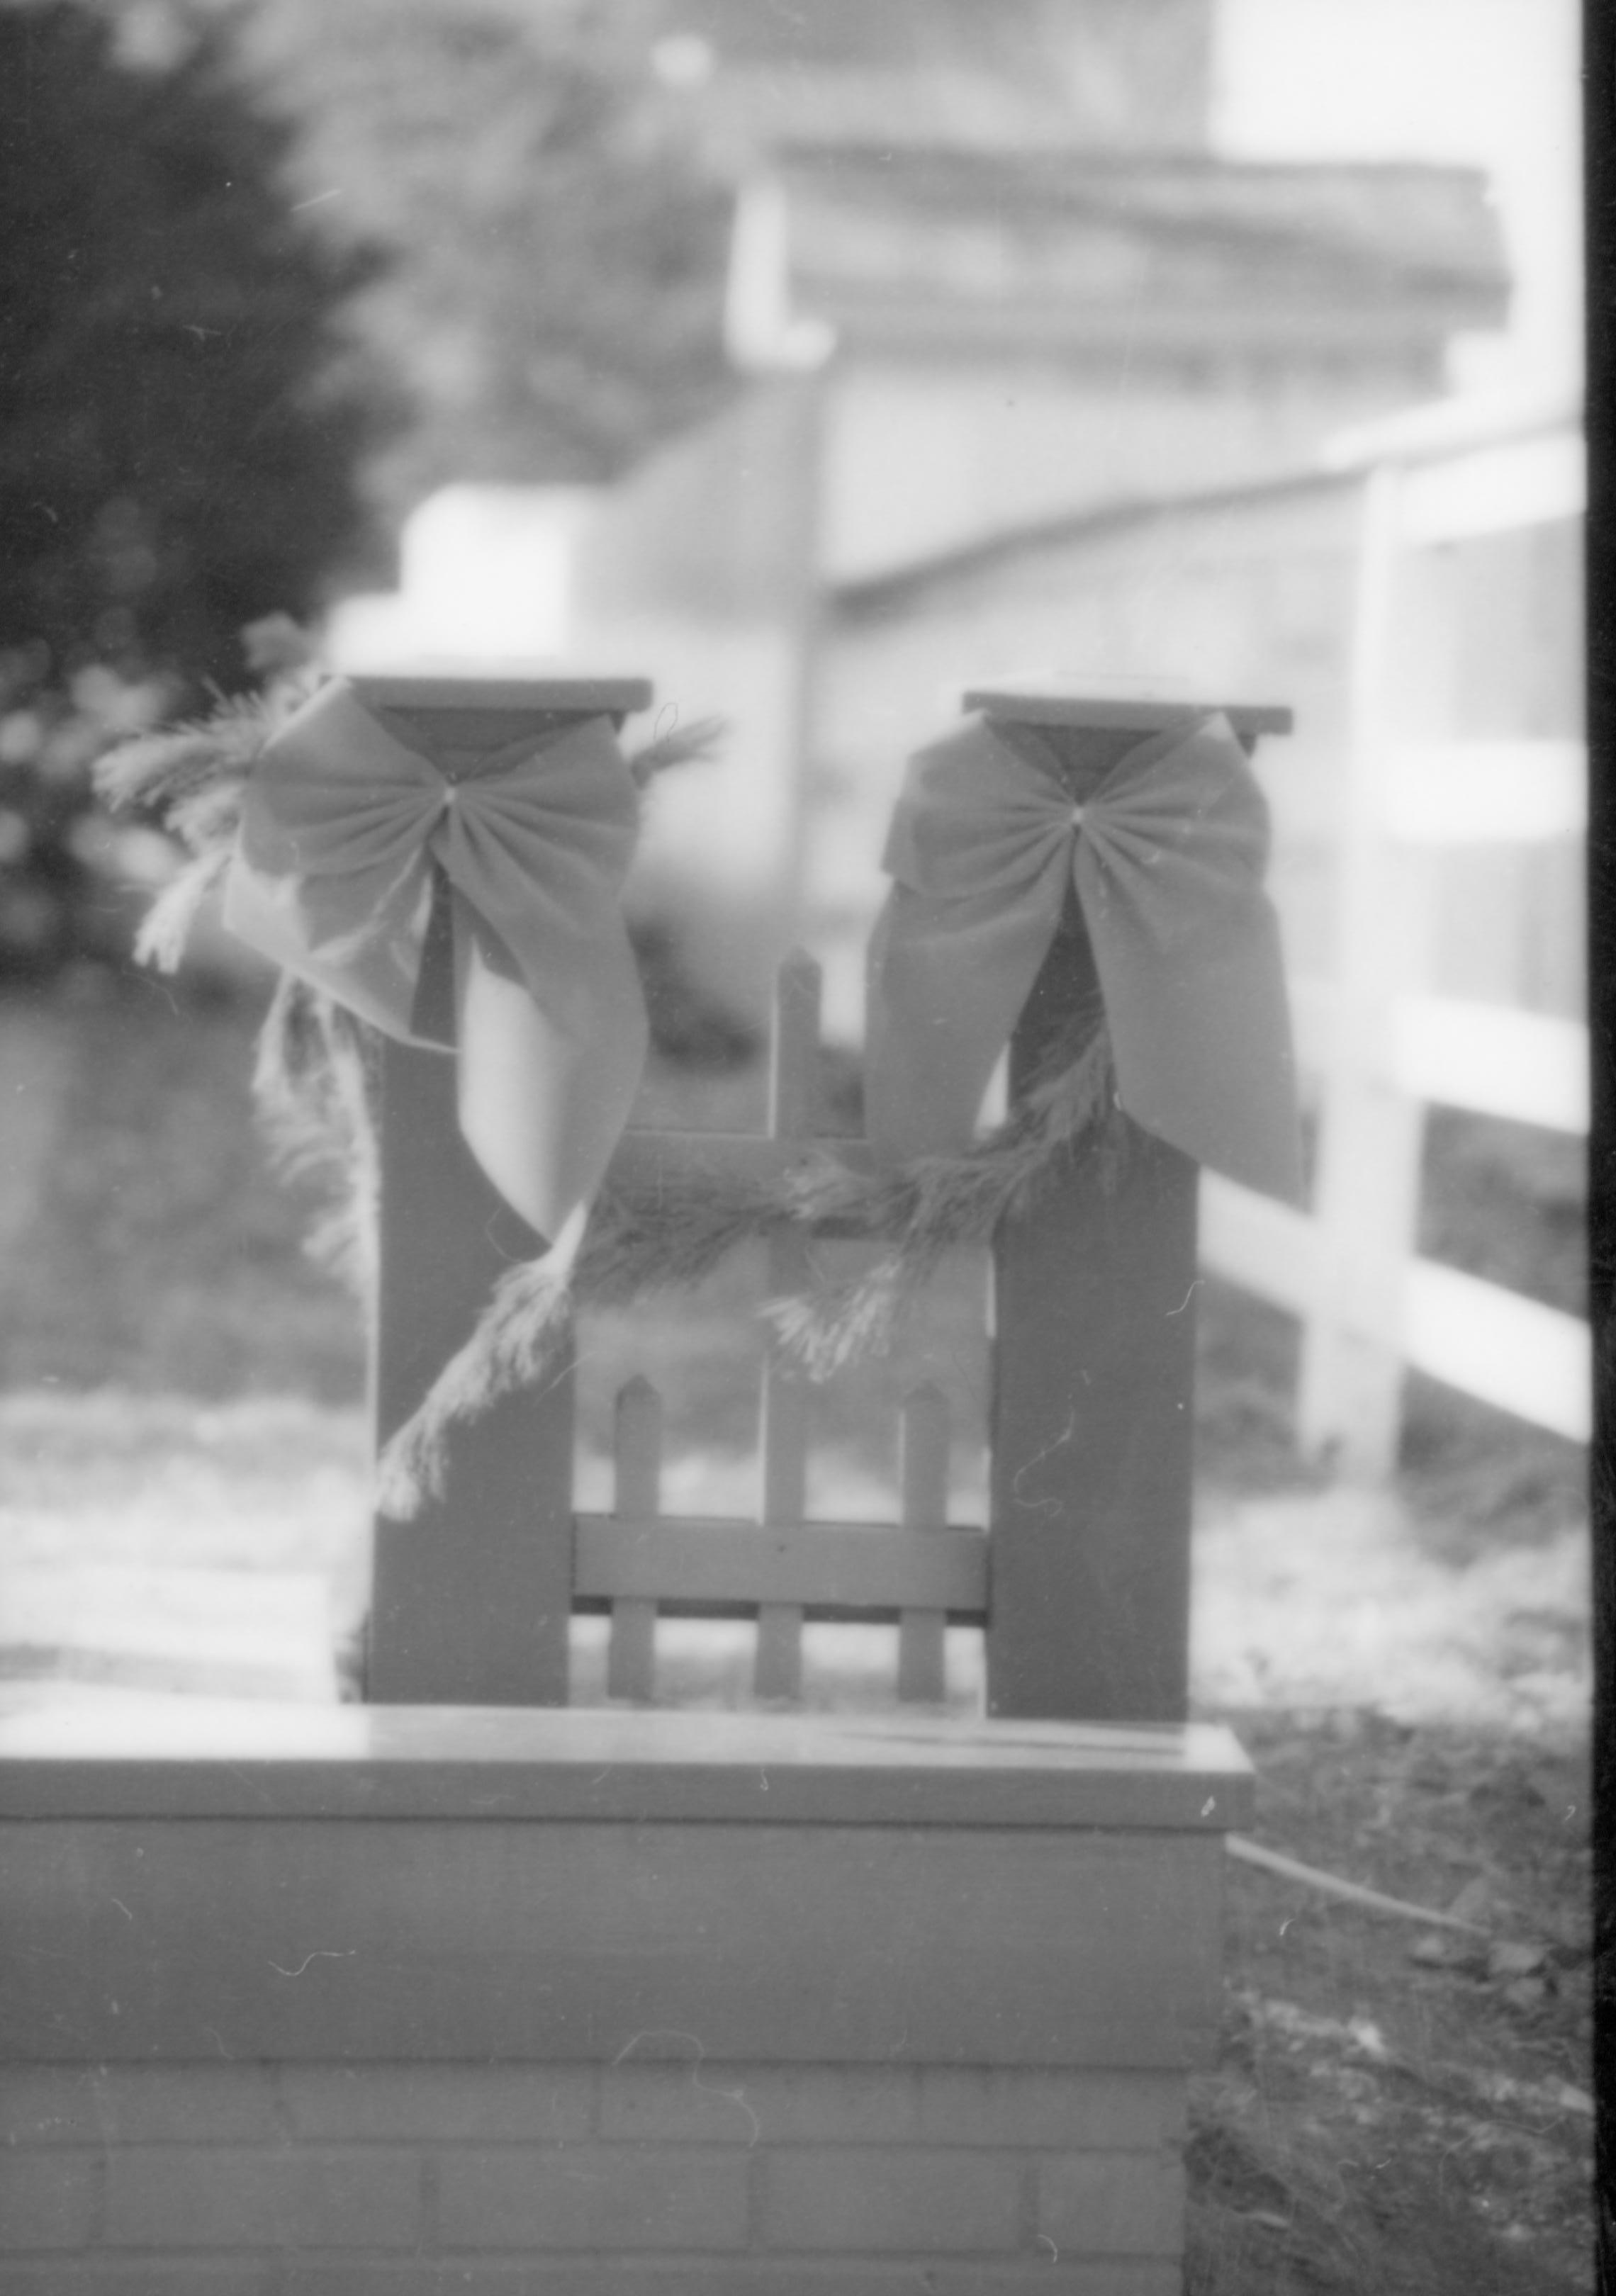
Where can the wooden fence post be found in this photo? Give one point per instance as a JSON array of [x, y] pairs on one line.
[[1371, 1129], [471, 1600], [1092, 1415]]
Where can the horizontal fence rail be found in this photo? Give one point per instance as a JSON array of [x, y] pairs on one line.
[[1491, 1059], [863, 1568]]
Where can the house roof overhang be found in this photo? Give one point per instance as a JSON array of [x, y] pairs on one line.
[[925, 250]]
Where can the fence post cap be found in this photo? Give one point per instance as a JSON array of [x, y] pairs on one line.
[[463, 690], [1034, 704]]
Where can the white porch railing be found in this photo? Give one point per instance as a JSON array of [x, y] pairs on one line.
[[1382, 1049]]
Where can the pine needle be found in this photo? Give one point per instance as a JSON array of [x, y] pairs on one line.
[[311, 1085], [687, 745], [935, 1205], [206, 819], [651, 1242], [156, 770], [167, 925]]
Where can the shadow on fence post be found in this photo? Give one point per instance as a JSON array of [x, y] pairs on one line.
[[1092, 1406]]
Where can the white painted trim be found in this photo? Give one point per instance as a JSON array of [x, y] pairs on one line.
[[1486, 793], [1492, 1059], [1312, 1023], [1511, 1352], [1454, 426], [1527, 1066], [1495, 490]]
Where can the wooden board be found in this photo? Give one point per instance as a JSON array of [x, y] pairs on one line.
[[271, 1761], [835, 1565], [1091, 1412], [570, 697], [471, 1599], [1036, 705], [492, 1941]]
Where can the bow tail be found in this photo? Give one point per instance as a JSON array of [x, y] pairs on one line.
[[948, 978], [307, 927], [541, 1105], [1200, 1035]]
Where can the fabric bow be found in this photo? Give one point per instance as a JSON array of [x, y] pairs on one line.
[[348, 818], [1166, 858]]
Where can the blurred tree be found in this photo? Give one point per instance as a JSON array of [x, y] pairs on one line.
[[181, 423], [178, 439], [553, 300], [555, 194]]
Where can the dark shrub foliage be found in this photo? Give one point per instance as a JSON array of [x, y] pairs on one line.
[[175, 458]]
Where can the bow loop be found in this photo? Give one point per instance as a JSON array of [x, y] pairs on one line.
[[1166, 857], [961, 829], [1178, 831], [347, 817]]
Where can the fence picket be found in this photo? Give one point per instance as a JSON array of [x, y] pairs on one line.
[[786, 1401], [793, 1066], [631, 1651], [922, 1671], [470, 1599]]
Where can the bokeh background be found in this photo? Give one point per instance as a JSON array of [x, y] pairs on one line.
[[819, 360]]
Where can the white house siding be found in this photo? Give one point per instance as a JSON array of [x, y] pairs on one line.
[[920, 459], [696, 571]]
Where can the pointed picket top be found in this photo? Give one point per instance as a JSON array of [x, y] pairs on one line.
[[638, 1450], [794, 1045], [631, 1651]]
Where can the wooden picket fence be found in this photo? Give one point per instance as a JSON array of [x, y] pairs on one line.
[[922, 1570], [1079, 1579], [1381, 1047], [780, 1568]]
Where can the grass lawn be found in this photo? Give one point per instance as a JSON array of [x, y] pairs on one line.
[[1398, 2106]]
